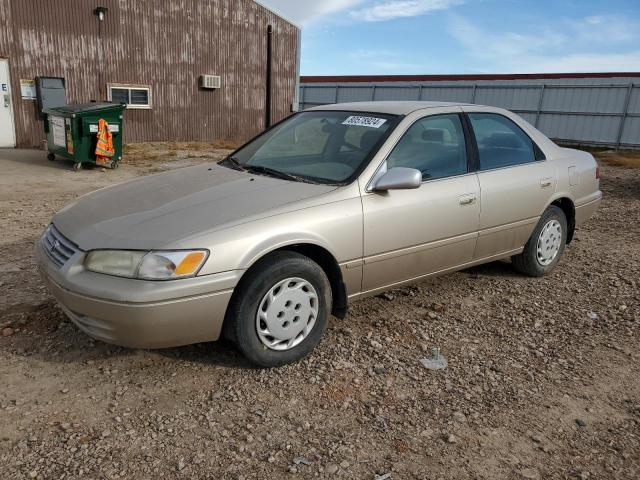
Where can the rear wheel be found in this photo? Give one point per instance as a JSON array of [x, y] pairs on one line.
[[545, 246], [51, 157], [280, 310]]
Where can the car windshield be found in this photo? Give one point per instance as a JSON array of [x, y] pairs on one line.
[[319, 146]]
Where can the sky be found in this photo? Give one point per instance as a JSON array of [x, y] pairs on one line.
[[395, 37]]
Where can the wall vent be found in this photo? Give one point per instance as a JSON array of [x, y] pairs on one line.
[[210, 81]]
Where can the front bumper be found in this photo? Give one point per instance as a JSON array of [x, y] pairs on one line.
[[137, 313]]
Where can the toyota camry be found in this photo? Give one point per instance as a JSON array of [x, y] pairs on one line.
[[327, 207]]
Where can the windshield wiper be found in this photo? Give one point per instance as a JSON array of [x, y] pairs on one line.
[[234, 163], [272, 172]]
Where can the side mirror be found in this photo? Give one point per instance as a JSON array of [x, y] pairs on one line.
[[399, 178]]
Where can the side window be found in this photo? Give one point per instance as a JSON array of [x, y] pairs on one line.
[[501, 143], [434, 145], [133, 96]]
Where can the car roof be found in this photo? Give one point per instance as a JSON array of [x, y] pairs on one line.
[[390, 108]]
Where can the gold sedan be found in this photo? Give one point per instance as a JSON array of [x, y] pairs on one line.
[[327, 207]]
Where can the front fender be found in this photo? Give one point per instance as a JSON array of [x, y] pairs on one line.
[[278, 242], [335, 227]]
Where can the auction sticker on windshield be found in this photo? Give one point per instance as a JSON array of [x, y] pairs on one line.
[[372, 122]]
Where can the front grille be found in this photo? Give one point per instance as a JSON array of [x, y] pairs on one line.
[[58, 247]]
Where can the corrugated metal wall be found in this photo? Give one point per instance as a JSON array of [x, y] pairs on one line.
[[166, 45], [588, 111]]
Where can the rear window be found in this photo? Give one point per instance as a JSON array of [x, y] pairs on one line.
[[501, 143]]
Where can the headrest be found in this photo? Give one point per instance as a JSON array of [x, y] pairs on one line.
[[328, 127], [502, 140], [369, 139], [433, 135]]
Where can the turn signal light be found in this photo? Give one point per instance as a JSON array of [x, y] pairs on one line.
[[190, 263]]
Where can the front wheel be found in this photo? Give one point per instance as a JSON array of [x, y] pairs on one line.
[[545, 246], [280, 310], [51, 157]]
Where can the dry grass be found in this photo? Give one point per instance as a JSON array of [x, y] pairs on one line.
[[197, 146], [621, 158], [217, 145]]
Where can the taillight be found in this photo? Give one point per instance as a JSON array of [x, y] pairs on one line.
[[598, 172]]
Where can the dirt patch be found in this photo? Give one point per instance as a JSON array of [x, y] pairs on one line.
[[137, 152], [542, 379]]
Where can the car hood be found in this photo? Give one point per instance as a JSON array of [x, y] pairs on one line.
[[158, 211]]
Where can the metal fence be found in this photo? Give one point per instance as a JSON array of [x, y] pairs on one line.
[[597, 114]]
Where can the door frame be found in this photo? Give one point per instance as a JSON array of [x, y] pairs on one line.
[[12, 109], [517, 231], [378, 167]]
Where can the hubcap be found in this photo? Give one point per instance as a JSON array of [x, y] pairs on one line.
[[287, 314], [549, 242]]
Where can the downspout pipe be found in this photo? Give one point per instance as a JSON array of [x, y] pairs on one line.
[[268, 99], [296, 97]]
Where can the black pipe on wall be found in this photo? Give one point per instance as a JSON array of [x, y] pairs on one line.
[[269, 75]]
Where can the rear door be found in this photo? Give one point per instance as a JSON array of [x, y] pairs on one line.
[[516, 183], [409, 234], [7, 131]]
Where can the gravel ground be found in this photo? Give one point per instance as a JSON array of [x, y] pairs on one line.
[[542, 377]]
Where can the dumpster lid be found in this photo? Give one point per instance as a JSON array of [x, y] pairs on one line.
[[85, 107]]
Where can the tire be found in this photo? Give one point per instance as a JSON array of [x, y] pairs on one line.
[[537, 264], [246, 329], [51, 157], [77, 166]]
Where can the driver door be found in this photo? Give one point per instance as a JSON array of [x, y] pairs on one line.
[[410, 234]]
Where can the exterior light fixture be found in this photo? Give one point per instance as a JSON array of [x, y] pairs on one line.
[[101, 12]]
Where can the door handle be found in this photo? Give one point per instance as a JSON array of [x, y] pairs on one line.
[[6, 101], [466, 200], [546, 182]]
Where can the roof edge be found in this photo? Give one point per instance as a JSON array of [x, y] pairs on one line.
[[438, 78], [277, 12], [389, 107]]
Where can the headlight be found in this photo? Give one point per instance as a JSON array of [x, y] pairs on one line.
[[114, 262], [146, 265]]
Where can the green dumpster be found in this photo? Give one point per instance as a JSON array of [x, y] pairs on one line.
[[72, 131]]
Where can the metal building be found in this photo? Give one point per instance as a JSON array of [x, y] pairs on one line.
[[198, 70], [599, 109]]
